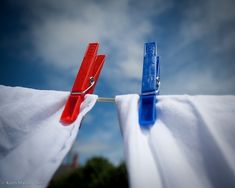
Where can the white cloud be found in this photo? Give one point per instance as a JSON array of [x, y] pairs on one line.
[[92, 147], [199, 57], [60, 31], [61, 38], [201, 82], [100, 143], [202, 21]]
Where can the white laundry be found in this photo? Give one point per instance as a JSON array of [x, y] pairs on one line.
[[33, 142], [192, 143]]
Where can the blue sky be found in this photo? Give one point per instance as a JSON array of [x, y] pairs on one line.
[[42, 44]]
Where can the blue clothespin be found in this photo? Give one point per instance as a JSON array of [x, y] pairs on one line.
[[150, 86]]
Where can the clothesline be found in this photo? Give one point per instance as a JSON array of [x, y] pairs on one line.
[[105, 99]]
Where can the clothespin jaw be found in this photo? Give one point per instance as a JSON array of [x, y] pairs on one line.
[[84, 83], [150, 86]]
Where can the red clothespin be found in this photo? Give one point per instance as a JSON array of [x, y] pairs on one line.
[[85, 82]]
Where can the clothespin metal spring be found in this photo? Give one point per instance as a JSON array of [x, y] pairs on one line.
[[92, 83]]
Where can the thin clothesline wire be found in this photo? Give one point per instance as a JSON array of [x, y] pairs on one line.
[[105, 99]]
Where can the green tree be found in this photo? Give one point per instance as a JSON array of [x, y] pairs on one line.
[[98, 172]]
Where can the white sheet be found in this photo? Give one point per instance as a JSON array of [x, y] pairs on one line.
[[192, 143], [33, 142]]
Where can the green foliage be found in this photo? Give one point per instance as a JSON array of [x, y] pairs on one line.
[[98, 172]]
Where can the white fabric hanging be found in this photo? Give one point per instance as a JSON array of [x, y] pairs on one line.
[[33, 142], [192, 143]]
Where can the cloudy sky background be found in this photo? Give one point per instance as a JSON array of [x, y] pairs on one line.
[[42, 44]]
